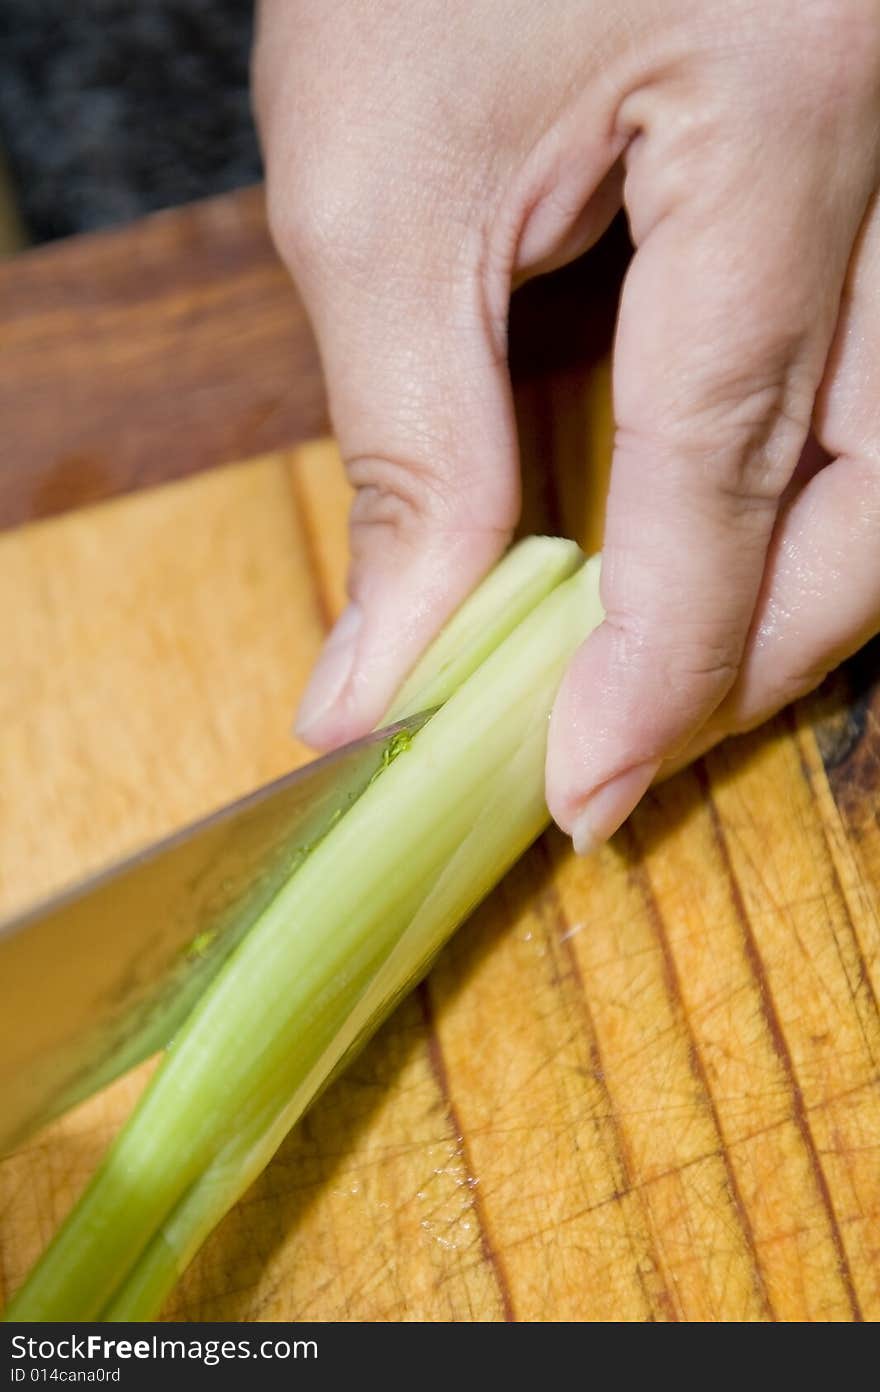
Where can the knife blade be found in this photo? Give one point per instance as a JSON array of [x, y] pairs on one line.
[[99, 977]]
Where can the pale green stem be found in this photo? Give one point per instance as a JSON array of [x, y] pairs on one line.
[[360, 919]]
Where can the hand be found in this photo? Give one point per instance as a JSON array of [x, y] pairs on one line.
[[423, 156]]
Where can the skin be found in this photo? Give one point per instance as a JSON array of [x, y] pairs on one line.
[[424, 157]]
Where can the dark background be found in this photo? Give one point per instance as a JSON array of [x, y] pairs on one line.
[[113, 108]]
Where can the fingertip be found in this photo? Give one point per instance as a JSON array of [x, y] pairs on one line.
[[606, 809], [600, 760], [403, 597], [315, 716]]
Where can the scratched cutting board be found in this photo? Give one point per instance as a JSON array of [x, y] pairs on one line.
[[644, 1086]]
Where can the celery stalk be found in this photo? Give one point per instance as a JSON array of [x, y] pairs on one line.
[[526, 575], [358, 922]]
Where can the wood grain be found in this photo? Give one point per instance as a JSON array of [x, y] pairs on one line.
[[135, 356], [643, 1086], [169, 596]]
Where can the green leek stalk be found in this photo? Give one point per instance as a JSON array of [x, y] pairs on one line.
[[357, 924]]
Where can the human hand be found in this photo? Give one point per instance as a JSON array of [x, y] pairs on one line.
[[424, 157]]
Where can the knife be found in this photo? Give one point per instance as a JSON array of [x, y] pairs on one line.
[[99, 977]]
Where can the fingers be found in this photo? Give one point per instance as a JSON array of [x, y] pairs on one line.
[[820, 600], [421, 408], [721, 342], [394, 230], [413, 346]]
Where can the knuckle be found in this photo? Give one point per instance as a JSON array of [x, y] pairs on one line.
[[752, 435], [350, 204], [399, 494], [737, 435], [838, 41], [812, 54], [390, 496], [821, 75], [404, 497], [314, 207]]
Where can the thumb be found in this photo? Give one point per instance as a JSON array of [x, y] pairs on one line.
[[421, 406]]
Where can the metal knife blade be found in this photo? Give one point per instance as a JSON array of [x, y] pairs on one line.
[[99, 977]]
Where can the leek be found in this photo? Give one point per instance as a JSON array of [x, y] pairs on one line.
[[357, 924]]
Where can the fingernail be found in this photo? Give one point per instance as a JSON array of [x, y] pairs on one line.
[[610, 806], [331, 671]]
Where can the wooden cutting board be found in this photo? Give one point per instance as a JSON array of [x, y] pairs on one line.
[[643, 1086]]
